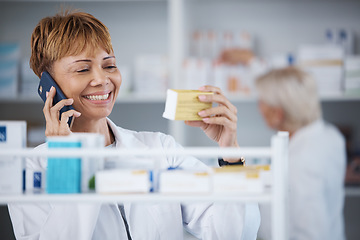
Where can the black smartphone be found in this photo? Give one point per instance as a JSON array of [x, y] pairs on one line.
[[46, 82]]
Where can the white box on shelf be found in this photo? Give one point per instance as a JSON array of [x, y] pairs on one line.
[[122, 181], [8, 79], [184, 181], [325, 63], [196, 72], [12, 136], [29, 81], [352, 75], [151, 74], [234, 179]]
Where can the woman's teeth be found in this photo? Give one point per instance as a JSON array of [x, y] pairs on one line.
[[97, 97]]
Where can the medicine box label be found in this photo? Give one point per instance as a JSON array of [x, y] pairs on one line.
[[2, 134]]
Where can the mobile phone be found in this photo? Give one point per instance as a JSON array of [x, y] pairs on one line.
[[46, 82]]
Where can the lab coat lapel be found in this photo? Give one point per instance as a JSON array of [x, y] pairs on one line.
[[125, 139]]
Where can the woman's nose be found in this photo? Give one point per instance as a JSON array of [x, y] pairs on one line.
[[99, 77]]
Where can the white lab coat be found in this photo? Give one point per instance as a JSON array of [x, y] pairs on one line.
[[146, 221], [317, 162]]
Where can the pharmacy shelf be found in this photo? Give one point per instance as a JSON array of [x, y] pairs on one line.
[[264, 197], [276, 196]]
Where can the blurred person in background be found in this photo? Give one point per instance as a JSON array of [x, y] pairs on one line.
[[288, 101]]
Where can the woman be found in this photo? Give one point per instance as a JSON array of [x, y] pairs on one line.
[[288, 101], [75, 48]]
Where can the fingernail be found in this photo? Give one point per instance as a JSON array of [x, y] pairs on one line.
[[201, 113], [52, 87], [47, 94], [206, 120], [202, 97], [77, 114]]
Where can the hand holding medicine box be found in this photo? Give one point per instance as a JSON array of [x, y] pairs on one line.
[[184, 104], [12, 136]]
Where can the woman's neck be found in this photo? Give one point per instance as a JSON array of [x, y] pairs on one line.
[[94, 126]]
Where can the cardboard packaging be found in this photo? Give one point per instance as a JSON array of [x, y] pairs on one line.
[[184, 104], [237, 179], [123, 181], [184, 181]]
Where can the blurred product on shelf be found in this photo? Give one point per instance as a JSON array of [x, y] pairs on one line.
[[9, 70], [29, 82], [196, 72], [126, 83], [224, 59], [122, 181], [352, 76], [240, 179], [184, 181], [342, 37], [12, 136], [151, 75], [325, 63]]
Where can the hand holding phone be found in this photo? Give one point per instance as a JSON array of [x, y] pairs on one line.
[[46, 82]]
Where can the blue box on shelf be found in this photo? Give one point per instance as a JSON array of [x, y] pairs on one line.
[[63, 173]]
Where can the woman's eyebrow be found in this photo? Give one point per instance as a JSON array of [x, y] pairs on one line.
[[82, 60], [108, 57]]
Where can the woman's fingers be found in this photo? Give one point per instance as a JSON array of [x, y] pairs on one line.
[[219, 111], [54, 126], [65, 118], [224, 109], [217, 97]]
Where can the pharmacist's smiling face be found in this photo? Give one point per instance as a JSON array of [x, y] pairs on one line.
[[91, 79]]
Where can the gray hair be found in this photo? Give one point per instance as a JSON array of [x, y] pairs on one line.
[[294, 91]]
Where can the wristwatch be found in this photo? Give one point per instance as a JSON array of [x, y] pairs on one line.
[[222, 162]]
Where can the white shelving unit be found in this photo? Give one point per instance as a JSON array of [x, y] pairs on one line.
[[277, 195]]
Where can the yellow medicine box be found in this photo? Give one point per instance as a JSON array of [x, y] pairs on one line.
[[184, 104]]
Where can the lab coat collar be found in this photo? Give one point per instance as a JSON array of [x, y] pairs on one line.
[[125, 138]]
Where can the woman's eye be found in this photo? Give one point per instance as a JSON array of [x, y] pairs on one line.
[[110, 67], [83, 70]]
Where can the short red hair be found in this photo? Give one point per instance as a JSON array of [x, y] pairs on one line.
[[66, 34]]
